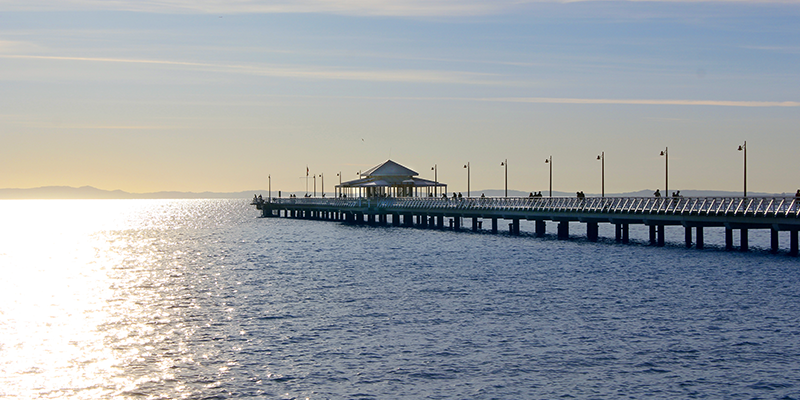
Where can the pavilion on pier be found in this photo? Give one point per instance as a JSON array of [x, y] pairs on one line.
[[390, 179]]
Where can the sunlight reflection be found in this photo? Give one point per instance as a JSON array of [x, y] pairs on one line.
[[79, 298]]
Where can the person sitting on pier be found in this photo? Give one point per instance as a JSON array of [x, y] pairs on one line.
[[657, 193], [459, 195]]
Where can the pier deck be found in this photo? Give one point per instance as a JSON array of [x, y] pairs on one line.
[[694, 213]]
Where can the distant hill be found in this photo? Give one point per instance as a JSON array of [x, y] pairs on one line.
[[88, 192]]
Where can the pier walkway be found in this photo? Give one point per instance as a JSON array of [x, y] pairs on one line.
[[693, 213]]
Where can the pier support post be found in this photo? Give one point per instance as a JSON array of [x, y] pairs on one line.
[[794, 247], [660, 235], [396, 219], [591, 231], [474, 224], [456, 223], [699, 240], [626, 233], [773, 233], [408, 220], [618, 233], [515, 226], [652, 235], [744, 245], [423, 221], [440, 221], [563, 230], [541, 228], [728, 239], [688, 236], [494, 225]]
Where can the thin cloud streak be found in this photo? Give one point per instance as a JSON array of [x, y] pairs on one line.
[[407, 76], [399, 8], [720, 103]]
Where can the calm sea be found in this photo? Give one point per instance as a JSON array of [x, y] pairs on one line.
[[203, 299]]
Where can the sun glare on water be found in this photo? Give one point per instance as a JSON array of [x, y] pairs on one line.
[[62, 297]]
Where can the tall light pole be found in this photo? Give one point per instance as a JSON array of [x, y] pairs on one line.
[[602, 158], [340, 184], [315, 185], [435, 170], [665, 153], [269, 177], [467, 167], [550, 161], [505, 164], [323, 184], [743, 148]]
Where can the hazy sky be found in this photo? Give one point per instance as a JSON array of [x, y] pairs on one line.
[[215, 95]]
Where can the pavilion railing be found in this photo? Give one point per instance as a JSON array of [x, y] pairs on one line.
[[707, 206]]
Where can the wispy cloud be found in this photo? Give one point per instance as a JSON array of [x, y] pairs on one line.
[[345, 7], [651, 102], [589, 101], [302, 72]]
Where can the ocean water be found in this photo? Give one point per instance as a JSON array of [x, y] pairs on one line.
[[202, 299]]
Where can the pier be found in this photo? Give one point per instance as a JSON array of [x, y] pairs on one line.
[[693, 213]]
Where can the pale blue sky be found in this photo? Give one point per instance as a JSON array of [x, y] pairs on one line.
[[214, 96]]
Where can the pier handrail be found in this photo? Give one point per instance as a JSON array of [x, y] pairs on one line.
[[785, 207]]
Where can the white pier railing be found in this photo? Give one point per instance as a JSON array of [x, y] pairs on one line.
[[786, 207]]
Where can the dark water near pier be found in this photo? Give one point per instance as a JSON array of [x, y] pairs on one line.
[[202, 299]]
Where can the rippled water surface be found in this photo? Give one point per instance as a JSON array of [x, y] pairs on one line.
[[203, 299]]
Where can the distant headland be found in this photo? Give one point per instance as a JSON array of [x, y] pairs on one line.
[[89, 192]]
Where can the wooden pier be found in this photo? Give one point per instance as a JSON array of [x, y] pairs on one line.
[[693, 213]]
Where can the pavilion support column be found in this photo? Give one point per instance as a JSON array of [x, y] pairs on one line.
[[688, 236], [474, 224], [743, 240], [728, 239], [699, 239], [541, 228], [652, 235], [591, 231], [563, 230], [494, 225], [773, 241], [793, 250], [660, 235]]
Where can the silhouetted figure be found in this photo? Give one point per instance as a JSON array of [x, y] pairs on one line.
[[797, 195], [530, 195], [483, 196], [657, 193], [459, 195]]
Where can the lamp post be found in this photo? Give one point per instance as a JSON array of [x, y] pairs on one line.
[[505, 164], [323, 184], [665, 153], [315, 185], [602, 158], [340, 184], [269, 177], [435, 170], [550, 161], [467, 167], [743, 148]]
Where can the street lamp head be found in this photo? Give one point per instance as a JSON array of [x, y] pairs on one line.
[[546, 160], [662, 153], [502, 164], [598, 157], [741, 148]]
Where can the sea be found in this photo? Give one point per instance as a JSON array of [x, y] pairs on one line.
[[204, 299]]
